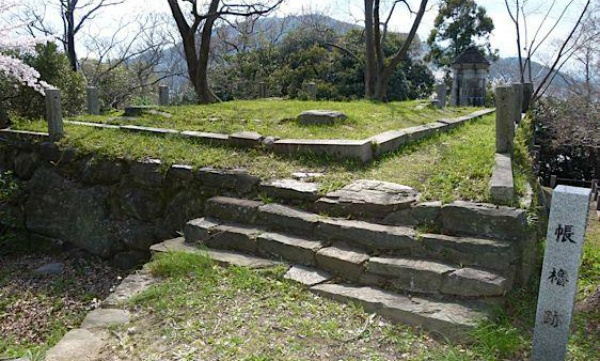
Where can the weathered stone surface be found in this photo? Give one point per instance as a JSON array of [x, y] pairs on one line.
[[287, 219], [174, 245], [484, 220], [295, 250], [232, 209], [343, 260], [151, 130], [367, 199], [320, 117], [185, 205], [104, 318], [451, 321], [102, 171], [25, 165], [427, 213], [129, 260], [307, 276], [132, 285], [179, 176], [370, 235], [198, 229], [470, 282], [409, 274], [493, 254], [389, 141], [245, 139], [49, 152], [137, 110], [208, 138], [238, 180], [502, 186], [147, 173], [136, 235], [144, 205], [50, 269], [239, 259], [78, 344], [290, 189], [424, 131], [233, 237], [334, 148]]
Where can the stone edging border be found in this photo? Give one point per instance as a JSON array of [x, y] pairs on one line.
[[364, 150]]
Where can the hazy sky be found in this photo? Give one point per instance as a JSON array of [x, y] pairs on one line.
[[503, 37]]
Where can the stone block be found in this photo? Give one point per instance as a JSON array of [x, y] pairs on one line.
[[370, 235], [484, 220], [427, 213], [502, 186], [132, 285], [389, 141], [146, 173], [208, 138], [367, 199], [245, 139], [237, 180], [232, 209], [141, 204], [423, 131], [289, 219], [409, 274], [197, 230], [25, 165], [179, 176], [102, 171], [137, 110], [343, 260], [105, 318], [290, 189], [336, 149], [320, 117], [292, 249], [149, 130], [307, 276], [470, 282], [233, 237], [78, 344]]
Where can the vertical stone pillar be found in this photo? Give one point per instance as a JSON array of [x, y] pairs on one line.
[[505, 119], [93, 103], [527, 94], [440, 89], [560, 270], [163, 96], [518, 88], [262, 89], [311, 90], [454, 91], [54, 114]]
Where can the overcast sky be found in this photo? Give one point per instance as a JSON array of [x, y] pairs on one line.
[[503, 37]]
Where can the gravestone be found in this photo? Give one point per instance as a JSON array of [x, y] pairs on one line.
[[320, 117], [441, 95], [54, 114], [262, 89], [505, 119], [558, 282], [311, 90], [92, 100], [163, 96]]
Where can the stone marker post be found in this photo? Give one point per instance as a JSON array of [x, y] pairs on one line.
[[163, 96], [527, 94], [311, 89], [54, 114], [518, 88], [505, 119], [262, 89], [441, 91], [93, 102], [558, 283]]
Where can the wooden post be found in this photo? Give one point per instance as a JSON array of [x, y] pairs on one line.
[[54, 114]]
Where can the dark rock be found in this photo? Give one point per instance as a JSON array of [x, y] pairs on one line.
[[290, 189], [13, 216], [245, 139], [232, 209], [136, 235], [130, 259], [179, 176], [25, 165], [102, 171], [46, 179], [49, 151], [268, 142], [236, 180], [142, 204], [185, 205], [50, 269], [146, 173]]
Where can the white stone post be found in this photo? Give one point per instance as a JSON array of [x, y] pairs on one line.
[[505, 119], [558, 282], [54, 114], [163, 96], [93, 102]]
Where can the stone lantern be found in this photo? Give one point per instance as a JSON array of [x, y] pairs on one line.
[[469, 78]]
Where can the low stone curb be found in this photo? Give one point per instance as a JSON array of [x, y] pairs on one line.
[[502, 185], [363, 150]]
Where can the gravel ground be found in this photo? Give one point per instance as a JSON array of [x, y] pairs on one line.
[[36, 309]]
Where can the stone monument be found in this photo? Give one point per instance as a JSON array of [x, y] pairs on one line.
[[93, 102], [469, 78], [163, 96], [441, 91], [558, 282]]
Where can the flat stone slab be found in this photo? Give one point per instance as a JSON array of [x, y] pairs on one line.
[[95, 125], [233, 237], [78, 344], [132, 285], [368, 198], [197, 230], [502, 185], [470, 282], [245, 139], [240, 260], [157, 131], [449, 320], [290, 189], [204, 137], [333, 148], [410, 274], [287, 218], [137, 110], [307, 276], [320, 117], [343, 260], [232, 209], [105, 317], [293, 249]]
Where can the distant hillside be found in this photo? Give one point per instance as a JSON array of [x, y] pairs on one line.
[[507, 70]]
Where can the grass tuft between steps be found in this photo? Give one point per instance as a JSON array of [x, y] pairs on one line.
[[207, 312]]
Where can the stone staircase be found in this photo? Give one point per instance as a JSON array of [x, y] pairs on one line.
[[442, 283]]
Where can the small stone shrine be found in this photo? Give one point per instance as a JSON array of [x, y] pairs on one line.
[[469, 78]]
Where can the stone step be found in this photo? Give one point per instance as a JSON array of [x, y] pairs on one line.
[[372, 237], [448, 320]]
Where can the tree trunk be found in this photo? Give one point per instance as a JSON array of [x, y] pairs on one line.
[[370, 52], [70, 37], [4, 119]]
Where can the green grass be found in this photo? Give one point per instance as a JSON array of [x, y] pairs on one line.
[[277, 118], [448, 166]]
